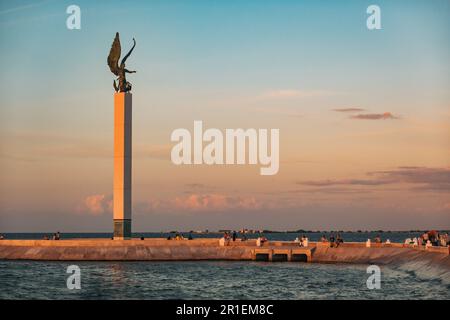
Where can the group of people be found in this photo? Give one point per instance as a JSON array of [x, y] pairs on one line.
[[334, 241], [430, 238], [179, 236], [56, 236], [302, 241], [233, 236]]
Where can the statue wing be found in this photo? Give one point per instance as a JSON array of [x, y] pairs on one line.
[[129, 52], [114, 55]]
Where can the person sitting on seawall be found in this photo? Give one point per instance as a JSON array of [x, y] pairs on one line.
[[225, 240], [260, 241], [2, 237], [299, 240], [434, 239], [424, 238], [179, 237], [332, 239], [339, 240], [411, 241], [263, 239], [190, 236], [324, 239], [433, 236], [58, 236], [444, 240], [377, 239], [234, 235], [304, 241]]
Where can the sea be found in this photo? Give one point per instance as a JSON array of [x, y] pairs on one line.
[[216, 279]]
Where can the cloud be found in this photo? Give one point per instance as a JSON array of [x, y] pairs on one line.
[[424, 179], [350, 182], [430, 178], [374, 116], [197, 202], [329, 190], [215, 202], [96, 204], [348, 110]]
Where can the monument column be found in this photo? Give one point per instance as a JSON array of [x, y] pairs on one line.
[[122, 165]]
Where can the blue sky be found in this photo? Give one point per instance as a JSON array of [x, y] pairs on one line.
[[212, 46]]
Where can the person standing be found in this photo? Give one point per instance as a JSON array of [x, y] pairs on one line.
[[332, 240]]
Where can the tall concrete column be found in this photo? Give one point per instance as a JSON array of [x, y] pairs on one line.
[[122, 165]]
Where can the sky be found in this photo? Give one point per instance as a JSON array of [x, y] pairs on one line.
[[364, 115]]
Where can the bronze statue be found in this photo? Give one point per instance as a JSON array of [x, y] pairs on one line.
[[119, 71]]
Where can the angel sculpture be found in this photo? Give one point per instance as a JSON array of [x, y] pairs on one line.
[[119, 71]]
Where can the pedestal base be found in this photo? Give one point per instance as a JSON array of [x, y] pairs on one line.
[[122, 229]]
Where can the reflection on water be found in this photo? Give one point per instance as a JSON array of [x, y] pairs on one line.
[[210, 280], [116, 272]]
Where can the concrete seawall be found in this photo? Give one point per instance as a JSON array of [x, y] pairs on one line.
[[121, 250], [210, 249]]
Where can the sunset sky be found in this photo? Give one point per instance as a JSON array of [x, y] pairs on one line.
[[364, 116]]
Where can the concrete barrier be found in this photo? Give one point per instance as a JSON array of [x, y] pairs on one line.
[[209, 249]]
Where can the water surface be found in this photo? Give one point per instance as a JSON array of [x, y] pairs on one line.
[[210, 280]]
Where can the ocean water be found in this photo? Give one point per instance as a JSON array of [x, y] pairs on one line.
[[211, 280]]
